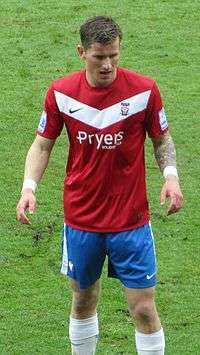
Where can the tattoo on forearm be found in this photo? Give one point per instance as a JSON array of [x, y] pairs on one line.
[[164, 151]]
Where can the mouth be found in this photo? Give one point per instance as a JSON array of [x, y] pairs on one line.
[[105, 73]]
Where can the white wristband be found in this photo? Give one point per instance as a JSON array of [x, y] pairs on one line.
[[29, 184], [170, 170]]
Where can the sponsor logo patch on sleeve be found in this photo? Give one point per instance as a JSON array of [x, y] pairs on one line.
[[163, 119], [43, 121]]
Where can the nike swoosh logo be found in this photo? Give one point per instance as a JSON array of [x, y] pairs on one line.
[[150, 276], [72, 111]]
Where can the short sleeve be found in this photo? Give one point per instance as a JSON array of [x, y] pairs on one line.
[[155, 120], [51, 121]]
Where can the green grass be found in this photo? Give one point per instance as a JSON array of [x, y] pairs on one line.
[[38, 41]]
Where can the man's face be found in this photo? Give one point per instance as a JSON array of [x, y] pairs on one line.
[[101, 61]]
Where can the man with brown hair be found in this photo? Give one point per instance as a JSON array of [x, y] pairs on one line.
[[107, 111]]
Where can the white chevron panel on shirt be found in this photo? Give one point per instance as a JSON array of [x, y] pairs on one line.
[[101, 118]]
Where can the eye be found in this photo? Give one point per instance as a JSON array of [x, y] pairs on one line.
[[113, 55], [99, 57]]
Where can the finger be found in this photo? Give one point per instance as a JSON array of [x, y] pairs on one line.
[[176, 204], [171, 210], [174, 207], [31, 207], [21, 217]]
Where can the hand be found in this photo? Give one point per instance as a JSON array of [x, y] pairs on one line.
[[171, 189], [26, 202]]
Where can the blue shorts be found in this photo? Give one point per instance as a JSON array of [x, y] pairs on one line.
[[131, 256]]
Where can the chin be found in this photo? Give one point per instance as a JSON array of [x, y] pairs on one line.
[[105, 82]]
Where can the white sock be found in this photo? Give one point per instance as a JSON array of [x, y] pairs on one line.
[[150, 344], [83, 334]]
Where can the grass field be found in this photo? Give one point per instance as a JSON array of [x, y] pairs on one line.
[[38, 41]]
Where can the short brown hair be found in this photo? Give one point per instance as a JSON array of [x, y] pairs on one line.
[[102, 29]]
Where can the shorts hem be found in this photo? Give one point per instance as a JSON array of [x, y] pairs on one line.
[[81, 286], [140, 286], [133, 285]]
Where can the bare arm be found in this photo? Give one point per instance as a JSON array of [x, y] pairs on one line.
[[164, 151], [165, 154], [36, 163], [38, 157]]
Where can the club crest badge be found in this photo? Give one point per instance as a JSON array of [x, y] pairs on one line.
[[163, 119], [125, 108], [42, 123]]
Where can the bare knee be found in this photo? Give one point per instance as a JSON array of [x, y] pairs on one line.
[[144, 311], [146, 316], [84, 301], [142, 308]]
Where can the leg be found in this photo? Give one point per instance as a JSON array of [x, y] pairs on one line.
[[142, 308], [133, 260], [149, 333], [84, 301], [83, 257], [83, 328]]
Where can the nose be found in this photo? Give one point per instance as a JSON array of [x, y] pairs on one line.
[[107, 64]]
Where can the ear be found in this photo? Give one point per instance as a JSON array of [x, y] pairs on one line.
[[81, 51]]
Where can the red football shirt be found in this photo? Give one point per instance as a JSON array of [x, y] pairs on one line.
[[104, 187]]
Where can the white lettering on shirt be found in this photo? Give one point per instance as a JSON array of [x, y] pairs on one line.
[[103, 141]]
